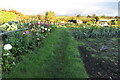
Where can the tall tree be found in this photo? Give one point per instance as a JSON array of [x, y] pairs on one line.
[[50, 16]]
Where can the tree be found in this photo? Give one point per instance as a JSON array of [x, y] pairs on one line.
[[97, 18], [41, 17], [103, 16], [88, 16], [50, 16], [94, 15], [113, 22], [79, 15], [116, 16]]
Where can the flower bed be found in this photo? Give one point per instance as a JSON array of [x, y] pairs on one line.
[[23, 42]]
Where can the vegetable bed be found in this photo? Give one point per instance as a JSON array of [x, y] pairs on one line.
[[100, 56]]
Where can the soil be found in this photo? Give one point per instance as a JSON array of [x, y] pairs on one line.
[[98, 67]]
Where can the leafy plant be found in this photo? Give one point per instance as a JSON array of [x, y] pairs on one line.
[[24, 42], [95, 31]]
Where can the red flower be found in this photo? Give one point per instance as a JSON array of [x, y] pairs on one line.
[[32, 25]]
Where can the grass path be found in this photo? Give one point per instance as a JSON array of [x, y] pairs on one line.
[[57, 58]]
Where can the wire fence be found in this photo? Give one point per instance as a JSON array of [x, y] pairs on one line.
[[9, 32]]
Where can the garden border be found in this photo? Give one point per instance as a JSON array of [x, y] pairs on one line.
[[7, 32], [1, 39]]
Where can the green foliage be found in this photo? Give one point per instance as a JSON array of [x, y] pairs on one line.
[[24, 42], [79, 15], [94, 32], [88, 16], [97, 18], [103, 16], [113, 22], [8, 60], [21, 45]]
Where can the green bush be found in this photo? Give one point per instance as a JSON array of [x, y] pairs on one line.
[[23, 42]]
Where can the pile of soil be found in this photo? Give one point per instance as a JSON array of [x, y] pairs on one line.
[[98, 67]]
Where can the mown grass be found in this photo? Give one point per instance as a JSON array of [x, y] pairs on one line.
[[57, 58]]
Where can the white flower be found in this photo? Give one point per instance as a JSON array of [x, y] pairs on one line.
[[13, 63], [83, 26], [46, 29], [38, 38], [36, 33], [6, 54], [42, 27], [7, 46]]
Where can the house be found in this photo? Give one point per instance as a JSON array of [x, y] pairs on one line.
[[76, 21], [79, 21], [103, 22]]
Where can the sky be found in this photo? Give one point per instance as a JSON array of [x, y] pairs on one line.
[[63, 7]]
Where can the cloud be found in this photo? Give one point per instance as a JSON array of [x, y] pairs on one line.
[[62, 7]]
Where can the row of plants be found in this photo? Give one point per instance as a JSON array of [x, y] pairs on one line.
[[94, 31], [57, 58], [14, 25], [23, 42]]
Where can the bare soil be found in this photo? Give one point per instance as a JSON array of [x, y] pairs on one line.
[[97, 64]]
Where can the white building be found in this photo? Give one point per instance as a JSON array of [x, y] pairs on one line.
[[103, 22]]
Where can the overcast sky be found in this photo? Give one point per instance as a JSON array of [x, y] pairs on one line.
[[63, 7]]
